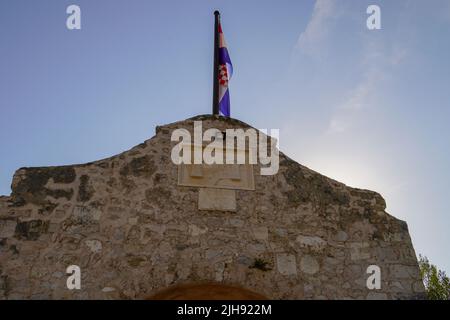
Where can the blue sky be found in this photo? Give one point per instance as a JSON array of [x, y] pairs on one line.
[[368, 108]]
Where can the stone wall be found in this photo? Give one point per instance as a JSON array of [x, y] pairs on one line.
[[134, 231]]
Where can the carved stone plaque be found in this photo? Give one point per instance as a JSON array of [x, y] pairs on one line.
[[217, 182], [222, 176]]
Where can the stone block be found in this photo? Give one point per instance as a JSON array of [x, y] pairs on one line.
[[311, 242], [286, 264], [260, 233], [340, 236], [359, 251], [31, 230], [403, 272], [309, 264], [7, 228], [216, 199], [94, 245], [376, 296], [196, 231]]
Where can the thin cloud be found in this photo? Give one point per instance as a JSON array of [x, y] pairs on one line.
[[359, 98], [377, 62], [317, 28]]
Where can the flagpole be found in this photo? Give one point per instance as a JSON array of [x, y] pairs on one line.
[[215, 105]]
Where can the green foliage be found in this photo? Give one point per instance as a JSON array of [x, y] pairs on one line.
[[436, 282]]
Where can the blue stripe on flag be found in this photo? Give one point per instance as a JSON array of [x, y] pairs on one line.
[[225, 58], [224, 104]]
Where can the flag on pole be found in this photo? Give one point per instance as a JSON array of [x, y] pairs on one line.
[[225, 73]]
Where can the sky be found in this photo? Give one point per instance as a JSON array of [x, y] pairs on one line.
[[369, 108]]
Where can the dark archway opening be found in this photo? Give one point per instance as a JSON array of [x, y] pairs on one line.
[[206, 291]]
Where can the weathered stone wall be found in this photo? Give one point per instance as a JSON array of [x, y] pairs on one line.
[[133, 231]]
